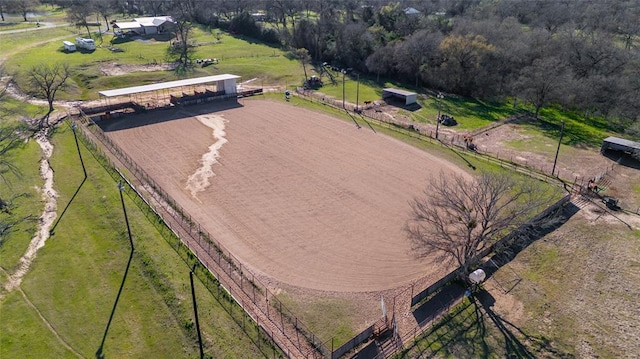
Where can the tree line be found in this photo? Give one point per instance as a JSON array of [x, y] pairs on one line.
[[579, 54]]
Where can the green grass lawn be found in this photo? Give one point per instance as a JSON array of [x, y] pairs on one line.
[[470, 113], [327, 318], [462, 333], [580, 131], [14, 43], [20, 186], [11, 25], [244, 58], [76, 276]]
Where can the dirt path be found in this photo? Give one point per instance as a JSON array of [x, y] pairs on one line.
[[45, 221], [43, 25], [50, 326]]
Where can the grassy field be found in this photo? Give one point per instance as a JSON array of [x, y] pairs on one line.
[[154, 315], [15, 43], [154, 312], [12, 25], [237, 56]]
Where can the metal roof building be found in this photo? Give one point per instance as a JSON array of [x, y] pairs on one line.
[[620, 144], [226, 83], [408, 97]]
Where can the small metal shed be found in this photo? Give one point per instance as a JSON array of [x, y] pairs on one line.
[[620, 144], [408, 97]]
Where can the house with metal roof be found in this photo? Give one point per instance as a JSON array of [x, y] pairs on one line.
[[147, 25]]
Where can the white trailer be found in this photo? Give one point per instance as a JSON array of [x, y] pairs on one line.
[[69, 46], [86, 44]]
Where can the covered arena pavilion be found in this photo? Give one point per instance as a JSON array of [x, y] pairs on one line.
[[165, 94]]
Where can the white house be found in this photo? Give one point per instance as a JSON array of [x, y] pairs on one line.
[[147, 25]]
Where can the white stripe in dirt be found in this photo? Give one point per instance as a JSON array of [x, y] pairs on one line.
[[199, 180]]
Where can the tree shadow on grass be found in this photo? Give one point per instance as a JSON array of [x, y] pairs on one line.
[[518, 344], [53, 228], [99, 352], [461, 333], [84, 179], [507, 252]]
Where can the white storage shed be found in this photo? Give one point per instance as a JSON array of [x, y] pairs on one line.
[[409, 98]]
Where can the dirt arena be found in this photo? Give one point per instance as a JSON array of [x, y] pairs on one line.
[[305, 199]]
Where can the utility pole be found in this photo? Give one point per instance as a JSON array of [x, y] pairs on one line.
[[358, 93], [343, 89], [439, 97], [553, 170]]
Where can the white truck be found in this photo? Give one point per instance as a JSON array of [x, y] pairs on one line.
[[86, 44]]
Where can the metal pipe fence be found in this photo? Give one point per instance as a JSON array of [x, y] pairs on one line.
[[249, 292], [452, 141]]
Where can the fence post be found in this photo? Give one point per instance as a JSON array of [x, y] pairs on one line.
[[281, 317]]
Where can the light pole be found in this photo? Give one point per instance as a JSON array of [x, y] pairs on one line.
[[439, 97], [343, 72], [358, 93]]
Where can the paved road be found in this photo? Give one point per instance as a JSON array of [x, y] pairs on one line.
[[43, 25]]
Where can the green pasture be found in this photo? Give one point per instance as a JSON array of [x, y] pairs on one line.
[[470, 113], [329, 319], [11, 44], [461, 333], [580, 131], [245, 58], [552, 276], [12, 25], [20, 186], [14, 109], [76, 276], [24, 335]]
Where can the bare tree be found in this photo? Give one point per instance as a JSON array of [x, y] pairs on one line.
[[78, 13], [22, 7], [3, 8], [302, 54], [183, 46], [105, 9], [46, 80], [458, 219]]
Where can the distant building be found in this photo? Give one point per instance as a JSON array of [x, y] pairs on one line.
[[411, 11], [146, 25]]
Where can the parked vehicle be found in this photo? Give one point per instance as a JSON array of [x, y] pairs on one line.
[[86, 44], [69, 46]]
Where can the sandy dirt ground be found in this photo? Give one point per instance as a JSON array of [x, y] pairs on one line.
[[305, 199], [572, 162]]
